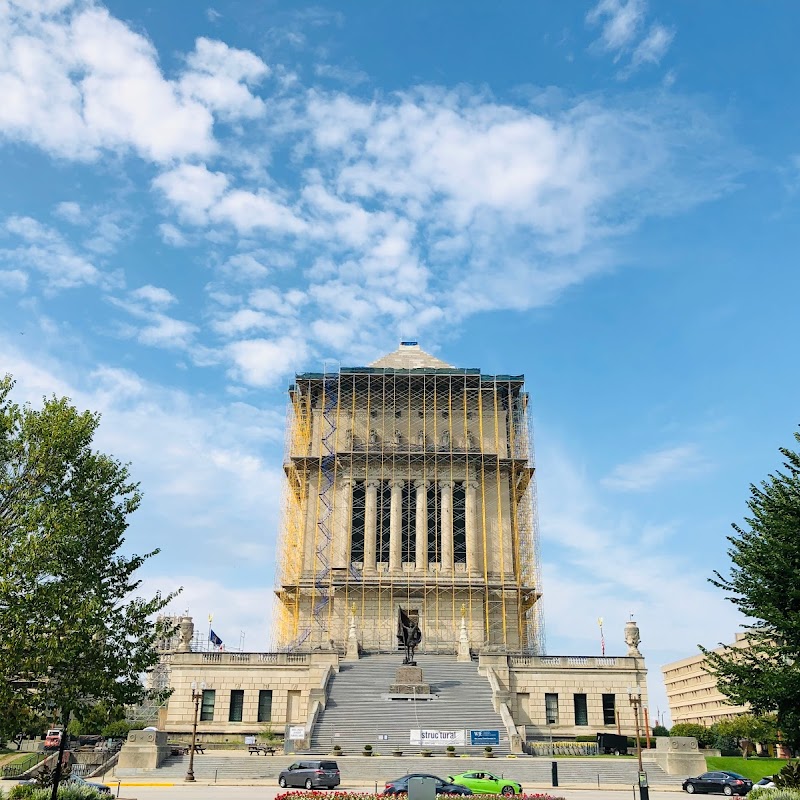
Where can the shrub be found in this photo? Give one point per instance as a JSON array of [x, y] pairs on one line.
[[759, 793], [117, 730], [704, 736], [368, 747], [660, 730], [789, 777]]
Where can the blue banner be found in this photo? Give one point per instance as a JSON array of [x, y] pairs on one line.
[[484, 737]]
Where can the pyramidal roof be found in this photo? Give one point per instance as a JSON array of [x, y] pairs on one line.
[[410, 356]]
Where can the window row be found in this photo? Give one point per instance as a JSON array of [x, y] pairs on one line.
[[236, 706], [408, 521], [580, 709]]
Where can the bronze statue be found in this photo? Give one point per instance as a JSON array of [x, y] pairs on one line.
[[408, 635]]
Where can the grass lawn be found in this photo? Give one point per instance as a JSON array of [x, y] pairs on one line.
[[753, 768]]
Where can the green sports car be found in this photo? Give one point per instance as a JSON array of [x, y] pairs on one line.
[[486, 783]]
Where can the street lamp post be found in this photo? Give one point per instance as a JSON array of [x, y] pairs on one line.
[[197, 696], [635, 698]]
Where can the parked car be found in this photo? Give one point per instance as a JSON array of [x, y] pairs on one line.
[[765, 783], [311, 775], [725, 782], [486, 783], [400, 785], [52, 739]]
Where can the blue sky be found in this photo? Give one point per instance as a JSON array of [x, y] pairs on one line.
[[199, 200]]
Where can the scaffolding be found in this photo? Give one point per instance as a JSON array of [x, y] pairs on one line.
[[415, 489]]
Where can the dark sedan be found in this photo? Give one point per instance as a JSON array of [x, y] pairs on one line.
[[722, 782], [400, 785]]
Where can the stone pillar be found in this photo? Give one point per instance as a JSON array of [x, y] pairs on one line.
[[422, 526], [446, 511], [370, 526], [473, 551], [396, 528], [464, 653], [341, 531], [352, 652]]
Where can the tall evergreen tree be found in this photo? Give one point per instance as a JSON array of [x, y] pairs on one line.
[[73, 631], [764, 583]]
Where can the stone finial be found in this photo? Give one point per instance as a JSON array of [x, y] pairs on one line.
[[464, 653], [185, 632], [632, 638], [352, 649]]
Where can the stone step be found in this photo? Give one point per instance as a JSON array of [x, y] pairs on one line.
[[531, 772]]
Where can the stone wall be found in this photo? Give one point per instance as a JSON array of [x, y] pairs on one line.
[[292, 677], [524, 681]]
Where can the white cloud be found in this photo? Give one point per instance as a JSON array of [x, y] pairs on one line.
[[622, 23], [45, 251], [218, 77], [192, 190], [76, 81], [156, 328], [155, 295], [653, 469], [172, 235], [70, 211], [267, 362], [13, 280], [654, 46]]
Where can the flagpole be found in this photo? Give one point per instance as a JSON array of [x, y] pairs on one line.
[[602, 639], [210, 620]]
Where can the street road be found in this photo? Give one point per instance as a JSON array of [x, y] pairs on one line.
[[201, 791]]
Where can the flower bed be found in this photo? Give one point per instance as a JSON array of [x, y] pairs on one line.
[[301, 794]]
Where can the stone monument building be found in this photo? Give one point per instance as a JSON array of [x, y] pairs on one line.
[[409, 485], [410, 490]]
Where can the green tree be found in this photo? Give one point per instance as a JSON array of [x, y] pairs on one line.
[[703, 735], [764, 583], [74, 631], [660, 730]]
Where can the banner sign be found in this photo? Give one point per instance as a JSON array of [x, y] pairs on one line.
[[438, 738], [484, 737]]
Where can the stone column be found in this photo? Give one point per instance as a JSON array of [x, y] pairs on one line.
[[370, 526], [341, 531], [473, 551], [446, 511], [396, 527], [422, 526]]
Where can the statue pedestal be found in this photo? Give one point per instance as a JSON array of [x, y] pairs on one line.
[[409, 681]]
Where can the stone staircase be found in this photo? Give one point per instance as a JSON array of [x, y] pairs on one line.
[[357, 712], [534, 773]]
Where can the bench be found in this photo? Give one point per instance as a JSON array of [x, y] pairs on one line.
[[199, 748], [259, 749], [178, 751]]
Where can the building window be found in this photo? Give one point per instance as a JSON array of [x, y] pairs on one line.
[[384, 520], [609, 710], [265, 705], [358, 522], [581, 715], [459, 523], [409, 524], [434, 528], [237, 705], [551, 709], [207, 705]]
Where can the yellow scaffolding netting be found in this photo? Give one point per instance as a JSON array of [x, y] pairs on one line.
[[413, 489]]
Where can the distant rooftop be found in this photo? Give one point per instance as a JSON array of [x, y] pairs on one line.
[[410, 356]]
